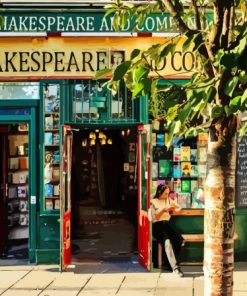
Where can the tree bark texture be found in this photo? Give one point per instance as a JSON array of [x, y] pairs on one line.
[[219, 190]]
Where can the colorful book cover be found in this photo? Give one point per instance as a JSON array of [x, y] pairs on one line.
[[48, 138], [198, 199], [185, 153], [177, 185], [49, 190], [201, 181], [202, 138], [186, 169], [176, 171], [185, 186], [166, 138], [176, 154], [177, 141], [194, 170], [165, 168], [202, 154], [160, 140], [193, 155], [184, 200], [202, 170], [154, 139], [194, 185], [155, 169]]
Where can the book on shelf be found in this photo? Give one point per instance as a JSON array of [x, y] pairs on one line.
[[177, 170], [49, 122], [155, 170], [202, 154], [56, 204], [194, 185], [14, 163], [22, 191], [201, 181], [48, 204], [48, 138], [185, 186], [202, 170], [160, 140], [198, 199], [184, 200], [193, 155], [49, 190], [186, 169], [185, 153], [202, 138], [194, 170], [176, 154], [154, 139], [177, 185], [165, 168]]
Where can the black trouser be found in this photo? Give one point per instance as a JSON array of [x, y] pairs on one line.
[[170, 239]]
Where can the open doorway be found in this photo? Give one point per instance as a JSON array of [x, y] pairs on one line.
[[14, 176], [104, 195]]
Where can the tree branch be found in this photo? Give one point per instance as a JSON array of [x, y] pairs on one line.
[[197, 15]]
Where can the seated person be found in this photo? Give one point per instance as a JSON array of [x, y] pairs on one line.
[[163, 231]]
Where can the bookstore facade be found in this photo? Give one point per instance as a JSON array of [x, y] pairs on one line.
[[81, 164]]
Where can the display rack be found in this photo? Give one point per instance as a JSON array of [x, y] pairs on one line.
[[51, 100]]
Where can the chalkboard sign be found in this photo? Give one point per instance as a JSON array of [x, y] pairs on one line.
[[241, 177]]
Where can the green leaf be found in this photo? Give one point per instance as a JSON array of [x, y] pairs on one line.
[[121, 70], [244, 97], [168, 49], [137, 89], [102, 73], [147, 85], [230, 86], [188, 42], [235, 104], [217, 111], [140, 72], [242, 77], [184, 113], [134, 53]]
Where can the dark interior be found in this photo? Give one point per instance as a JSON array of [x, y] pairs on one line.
[[104, 210]]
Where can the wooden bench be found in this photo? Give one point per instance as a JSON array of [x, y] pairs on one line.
[[188, 238]]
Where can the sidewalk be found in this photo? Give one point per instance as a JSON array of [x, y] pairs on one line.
[[98, 279]]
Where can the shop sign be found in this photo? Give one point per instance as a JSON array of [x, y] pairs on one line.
[[57, 57], [58, 22]]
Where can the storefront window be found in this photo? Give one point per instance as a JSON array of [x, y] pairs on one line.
[[19, 90], [92, 101]]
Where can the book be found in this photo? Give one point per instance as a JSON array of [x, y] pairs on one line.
[[165, 168], [202, 138], [185, 186], [193, 155], [194, 170], [177, 185], [185, 153], [184, 200], [186, 169], [176, 154], [22, 191], [160, 140], [48, 138], [202, 154], [155, 170], [49, 122], [154, 139], [202, 170], [197, 199], [194, 185], [49, 190], [176, 171]]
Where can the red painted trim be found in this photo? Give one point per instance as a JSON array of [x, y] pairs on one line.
[[144, 34]]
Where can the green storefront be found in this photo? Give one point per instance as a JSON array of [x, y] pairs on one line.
[[61, 132]]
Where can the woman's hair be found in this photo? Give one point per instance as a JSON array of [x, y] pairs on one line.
[[160, 189]]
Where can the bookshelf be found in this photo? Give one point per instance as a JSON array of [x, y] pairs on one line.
[[182, 167], [51, 120]]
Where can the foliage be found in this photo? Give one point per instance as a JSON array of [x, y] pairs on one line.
[[218, 87]]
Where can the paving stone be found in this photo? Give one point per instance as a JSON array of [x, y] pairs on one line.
[[8, 277]]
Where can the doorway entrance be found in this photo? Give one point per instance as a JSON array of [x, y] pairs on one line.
[[104, 195], [14, 178]]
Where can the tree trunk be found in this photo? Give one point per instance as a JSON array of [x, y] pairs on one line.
[[219, 192]]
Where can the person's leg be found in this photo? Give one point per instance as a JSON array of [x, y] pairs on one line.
[[172, 258]]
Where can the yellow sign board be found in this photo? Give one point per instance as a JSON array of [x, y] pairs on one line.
[[80, 57]]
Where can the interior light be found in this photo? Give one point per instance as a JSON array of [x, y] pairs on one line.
[[103, 141], [123, 133], [84, 143], [92, 142], [92, 135], [109, 141]]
